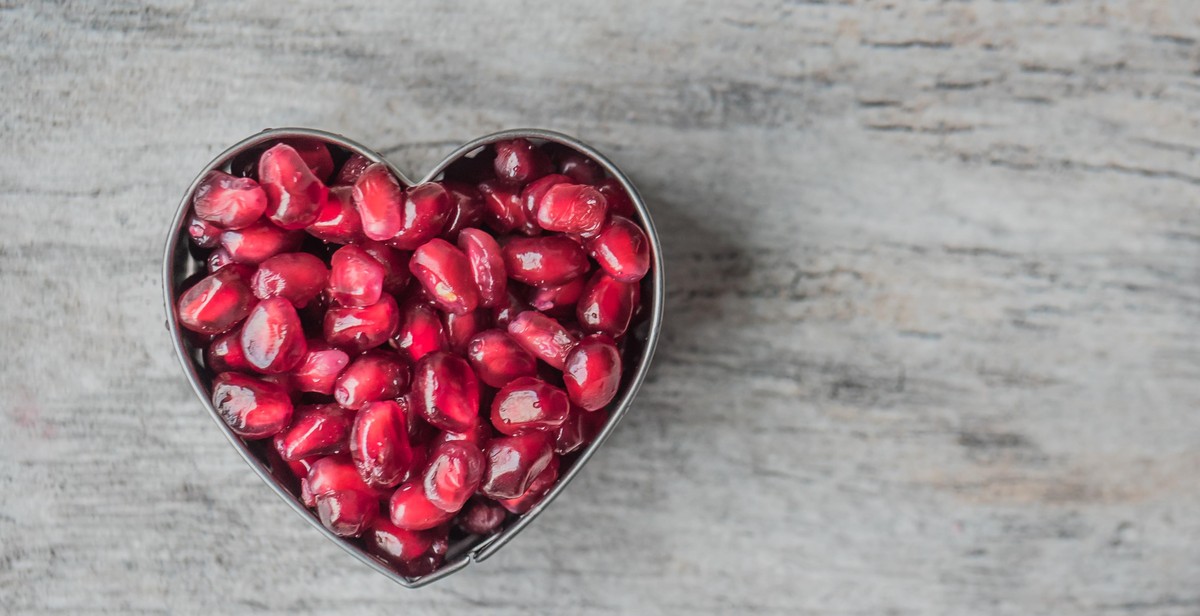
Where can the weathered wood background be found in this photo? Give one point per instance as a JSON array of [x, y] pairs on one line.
[[931, 346]]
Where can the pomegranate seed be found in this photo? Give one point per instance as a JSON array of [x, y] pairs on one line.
[[579, 168], [461, 328], [294, 195], [513, 462], [454, 472], [445, 390], [218, 259], [420, 331], [315, 156], [295, 276], [541, 335], [572, 208], [544, 261], [527, 403], [344, 503], [508, 309], [532, 194], [355, 277], [607, 304], [252, 408], [273, 338], [502, 206], [227, 201], [537, 489], [375, 375], [466, 209], [593, 372], [411, 510], [359, 329], [395, 266], [481, 517], [338, 221], [225, 354], [445, 273], [380, 202], [477, 437], [396, 545], [429, 561], [259, 242], [419, 432], [558, 301], [316, 430], [204, 234], [319, 371], [379, 444], [487, 265], [218, 302], [498, 359], [519, 161], [472, 169], [425, 212], [283, 381], [622, 250], [619, 202], [580, 428], [352, 169]]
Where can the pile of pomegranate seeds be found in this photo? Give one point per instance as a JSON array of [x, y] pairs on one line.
[[424, 360]]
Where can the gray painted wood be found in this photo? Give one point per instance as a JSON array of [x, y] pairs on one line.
[[932, 325]]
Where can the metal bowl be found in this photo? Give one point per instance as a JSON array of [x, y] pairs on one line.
[[179, 264]]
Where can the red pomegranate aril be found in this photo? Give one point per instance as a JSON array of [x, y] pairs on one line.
[[359, 329], [529, 403], [559, 300], [338, 221], [204, 234], [380, 202], [453, 474], [429, 561], [227, 201], [426, 208], [355, 277], [375, 375], [411, 510], [315, 155], [619, 203], [513, 462], [420, 331], [379, 444], [519, 161], [396, 545], [251, 407], [218, 259], [579, 168], [461, 328], [532, 194], [466, 211], [508, 309], [541, 335], [446, 392], [580, 428], [217, 302], [478, 436], [497, 358], [273, 338], [481, 516], [319, 371], [544, 261], [294, 194], [395, 265], [607, 305], [316, 430], [352, 169], [295, 276], [445, 273], [259, 242], [344, 503], [622, 249], [572, 208], [487, 265], [593, 372], [537, 489], [502, 206], [224, 354]]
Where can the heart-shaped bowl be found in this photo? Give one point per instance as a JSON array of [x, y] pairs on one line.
[[180, 263]]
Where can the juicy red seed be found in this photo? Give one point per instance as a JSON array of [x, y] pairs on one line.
[[379, 444], [454, 472], [411, 510], [544, 261], [537, 489], [502, 206], [607, 304], [419, 432], [218, 259], [481, 517], [338, 221], [466, 211], [622, 250], [532, 194], [316, 430], [259, 242], [446, 392], [345, 504], [580, 168], [559, 300], [487, 265], [395, 265], [229, 202], [352, 169], [319, 371], [580, 428], [572, 208], [225, 354], [355, 277], [461, 328], [593, 372], [519, 161], [445, 273], [396, 545], [294, 195], [508, 309], [204, 234], [359, 329], [528, 403], [619, 203], [380, 202], [376, 375], [315, 155], [497, 358], [513, 462], [252, 408], [477, 437], [273, 337], [295, 276], [541, 335], [218, 302], [420, 331], [428, 562], [426, 209]]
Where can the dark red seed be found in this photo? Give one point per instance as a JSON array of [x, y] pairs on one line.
[[607, 305], [445, 273], [502, 206], [204, 234], [541, 335], [579, 168], [537, 490], [229, 202], [379, 444], [259, 242], [580, 428], [359, 329], [446, 391], [532, 194], [544, 261], [461, 328], [316, 430], [519, 161], [572, 208], [477, 437], [338, 221], [315, 155], [420, 331], [380, 202], [619, 202], [352, 169], [429, 561], [218, 259], [283, 380], [294, 195], [426, 209], [453, 474], [333, 474], [466, 210], [395, 265], [508, 309], [396, 545], [375, 375], [558, 301], [273, 337], [481, 517], [295, 276], [411, 510], [225, 354], [419, 432], [344, 503], [319, 371], [513, 462], [487, 265], [497, 358], [252, 408], [622, 250], [528, 403], [218, 302], [355, 277], [593, 372]]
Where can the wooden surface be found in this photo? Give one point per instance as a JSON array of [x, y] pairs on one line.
[[931, 342]]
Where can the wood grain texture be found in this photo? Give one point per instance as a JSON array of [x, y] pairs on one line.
[[931, 342]]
